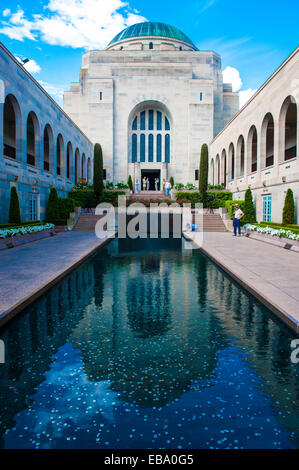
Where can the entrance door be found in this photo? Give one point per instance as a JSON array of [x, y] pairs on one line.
[[151, 175], [267, 208]]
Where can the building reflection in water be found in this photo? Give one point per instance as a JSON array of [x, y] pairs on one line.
[[153, 322]]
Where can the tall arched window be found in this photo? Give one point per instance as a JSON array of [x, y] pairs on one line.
[[231, 159], [223, 168], [288, 129], [268, 140], [48, 148], [240, 156], [69, 155], [77, 166], [217, 172], [84, 169], [212, 168], [33, 139], [252, 149], [150, 136], [59, 154], [11, 127]]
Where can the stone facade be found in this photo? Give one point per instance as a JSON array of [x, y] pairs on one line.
[[258, 148], [151, 75], [40, 146]]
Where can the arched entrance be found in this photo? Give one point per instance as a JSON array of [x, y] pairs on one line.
[[150, 141]]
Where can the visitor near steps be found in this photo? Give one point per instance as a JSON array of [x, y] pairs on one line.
[[237, 221], [137, 186]]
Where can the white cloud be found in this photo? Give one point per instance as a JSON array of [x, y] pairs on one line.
[[245, 95], [88, 24], [232, 75], [31, 65], [6, 12], [56, 91], [17, 27]]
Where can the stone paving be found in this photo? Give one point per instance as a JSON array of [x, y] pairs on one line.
[[27, 270], [269, 272]]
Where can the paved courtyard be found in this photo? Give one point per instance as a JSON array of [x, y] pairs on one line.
[[27, 270]]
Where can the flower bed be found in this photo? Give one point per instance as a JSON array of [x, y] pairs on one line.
[[12, 232], [281, 233]]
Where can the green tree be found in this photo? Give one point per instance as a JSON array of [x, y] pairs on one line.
[[288, 213], [249, 212], [171, 182], [130, 183], [98, 185], [14, 207], [53, 208], [203, 173]]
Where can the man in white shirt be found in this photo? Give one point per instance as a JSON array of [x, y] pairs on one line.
[[237, 220]]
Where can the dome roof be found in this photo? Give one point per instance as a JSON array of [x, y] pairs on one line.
[[151, 29]]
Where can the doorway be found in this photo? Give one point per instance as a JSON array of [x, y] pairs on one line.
[[151, 175]]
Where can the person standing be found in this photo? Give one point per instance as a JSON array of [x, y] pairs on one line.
[[137, 186], [147, 184], [143, 183], [237, 220], [167, 188], [157, 181]]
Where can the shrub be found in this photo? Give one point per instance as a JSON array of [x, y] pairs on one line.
[[288, 213], [171, 181], [121, 185], [53, 209], [81, 197], [14, 207], [249, 212], [98, 184], [178, 186], [130, 183], [189, 186], [66, 206], [219, 198], [203, 173], [109, 185]]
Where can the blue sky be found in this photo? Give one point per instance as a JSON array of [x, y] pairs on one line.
[[253, 38]]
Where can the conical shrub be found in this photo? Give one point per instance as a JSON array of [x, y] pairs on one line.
[[14, 207], [249, 211], [130, 183], [53, 208], [98, 184], [288, 213]]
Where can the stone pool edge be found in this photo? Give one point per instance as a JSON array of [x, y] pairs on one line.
[[250, 287], [16, 308]]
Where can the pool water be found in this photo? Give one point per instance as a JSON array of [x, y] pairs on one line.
[[148, 345]]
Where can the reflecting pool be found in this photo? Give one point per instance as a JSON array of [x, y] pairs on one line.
[[148, 345]]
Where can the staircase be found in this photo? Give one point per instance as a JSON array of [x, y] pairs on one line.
[[211, 222], [87, 221]]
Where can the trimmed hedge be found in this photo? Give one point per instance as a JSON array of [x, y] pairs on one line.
[[219, 198], [80, 197]]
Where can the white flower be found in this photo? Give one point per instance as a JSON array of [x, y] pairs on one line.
[[272, 231], [11, 232]]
